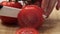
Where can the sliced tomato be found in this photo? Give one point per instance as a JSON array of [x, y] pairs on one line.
[[27, 31]]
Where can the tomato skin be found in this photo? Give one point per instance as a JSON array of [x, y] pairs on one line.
[[15, 5], [6, 20], [18, 5], [12, 4], [4, 3], [30, 16], [27, 30]]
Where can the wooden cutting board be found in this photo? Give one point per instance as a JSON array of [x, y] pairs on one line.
[[50, 26]]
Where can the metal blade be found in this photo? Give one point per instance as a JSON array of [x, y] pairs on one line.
[[9, 11]]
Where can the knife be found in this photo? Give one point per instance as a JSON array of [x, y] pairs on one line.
[[9, 11]]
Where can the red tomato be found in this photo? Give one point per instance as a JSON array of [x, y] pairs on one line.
[[4, 3], [16, 4], [27, 31], [12, 4], [9, 20], [31, 16]]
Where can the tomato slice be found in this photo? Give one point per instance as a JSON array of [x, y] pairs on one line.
[[27, 31]]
